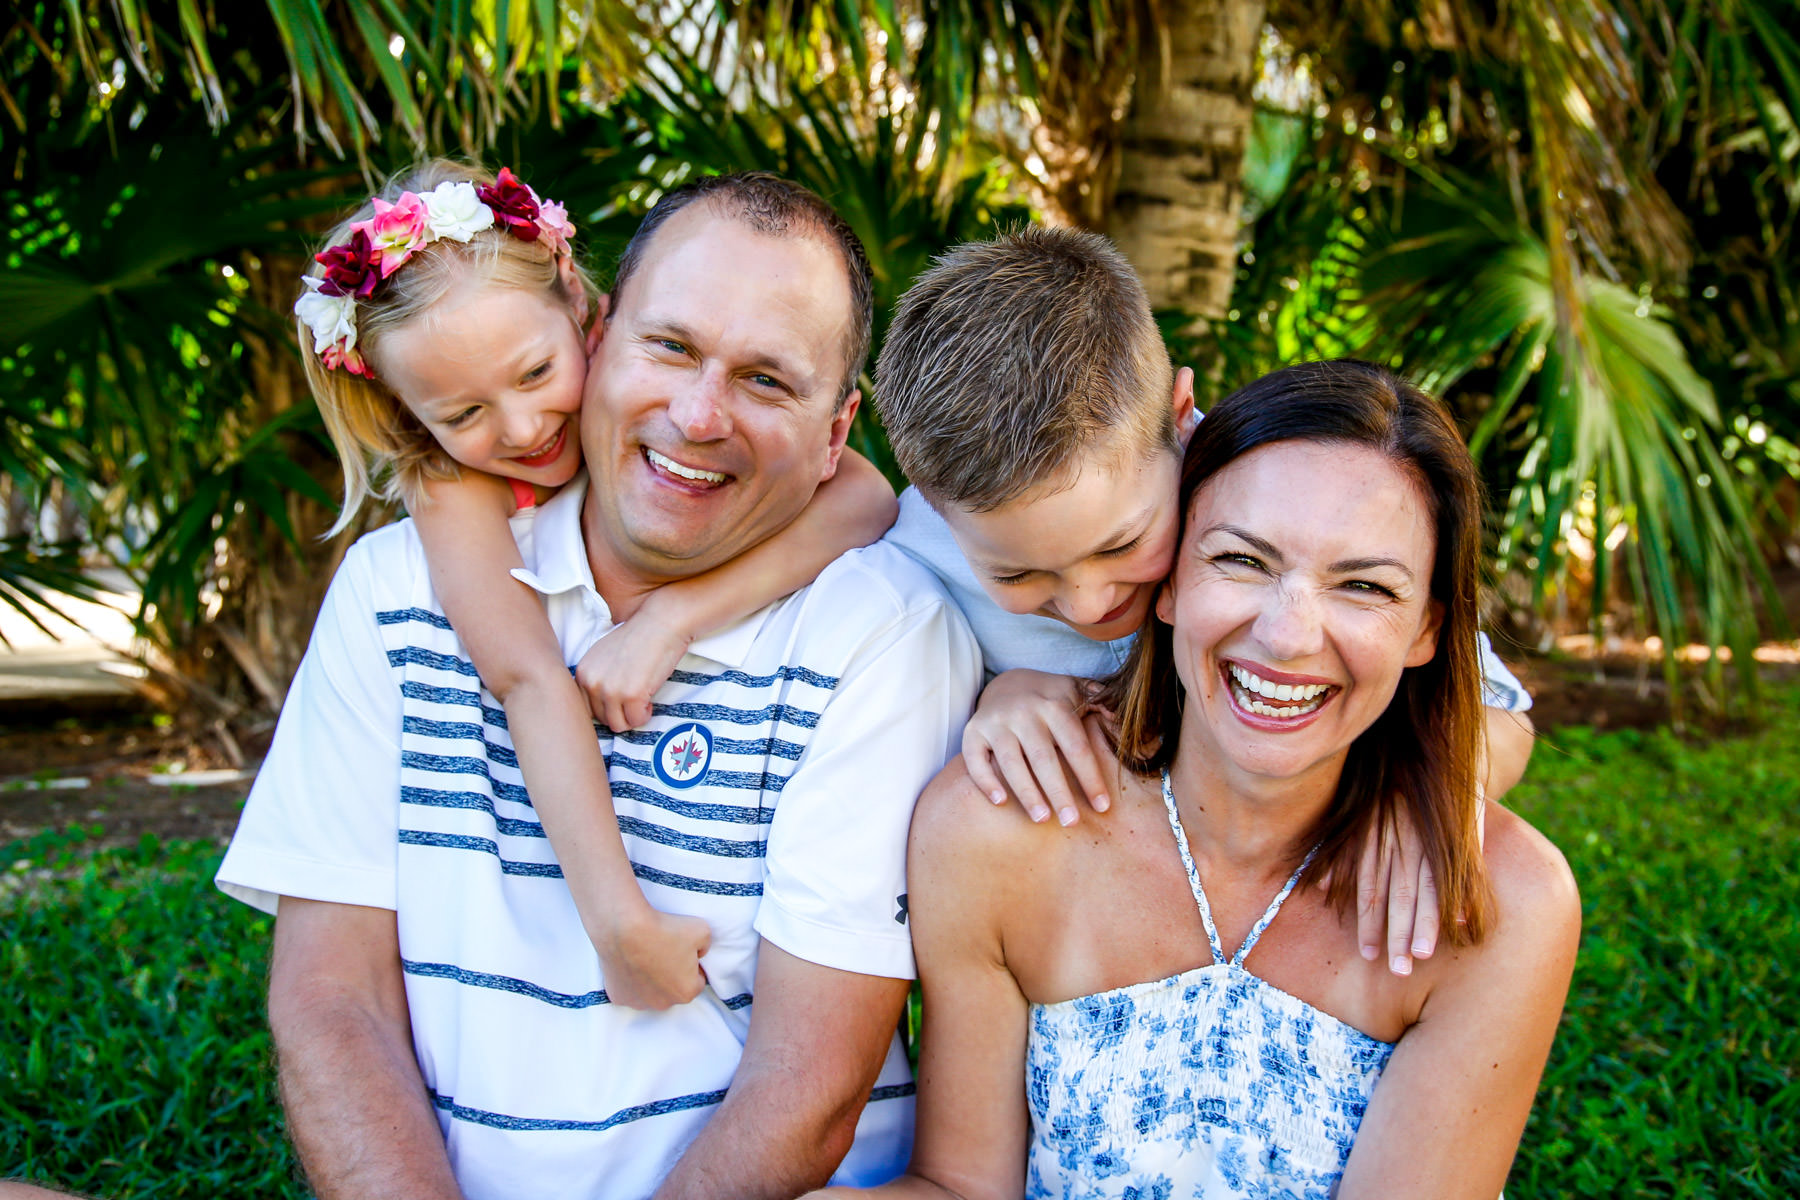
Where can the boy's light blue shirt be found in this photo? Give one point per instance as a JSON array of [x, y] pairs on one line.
[[1013, 640]]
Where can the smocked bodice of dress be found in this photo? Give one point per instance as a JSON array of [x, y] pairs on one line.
[[1210, 1084]]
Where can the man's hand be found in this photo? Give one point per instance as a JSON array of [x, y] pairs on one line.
[[356, 1105], [817, 1040]]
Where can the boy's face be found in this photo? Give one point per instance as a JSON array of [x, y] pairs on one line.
[[1090, 555]]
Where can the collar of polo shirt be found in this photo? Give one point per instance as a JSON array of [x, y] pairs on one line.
[[556, 562]]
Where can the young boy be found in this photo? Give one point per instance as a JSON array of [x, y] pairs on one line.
[[1029, 398]]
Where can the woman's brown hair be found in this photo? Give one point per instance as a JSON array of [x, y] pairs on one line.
[[1420, 756]]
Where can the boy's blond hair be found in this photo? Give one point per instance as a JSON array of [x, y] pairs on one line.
[[386, 453], [1010, 360]]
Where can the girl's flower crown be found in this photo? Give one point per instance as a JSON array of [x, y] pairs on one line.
[[378, 246]]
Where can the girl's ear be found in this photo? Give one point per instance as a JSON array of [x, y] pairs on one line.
[[565, 269]]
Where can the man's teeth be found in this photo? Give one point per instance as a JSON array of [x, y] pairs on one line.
[[674, 468], [1298, 698]]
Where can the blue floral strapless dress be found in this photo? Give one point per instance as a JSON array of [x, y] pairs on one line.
[[1207, 1085]]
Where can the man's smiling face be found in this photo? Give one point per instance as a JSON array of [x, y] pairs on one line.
[[708, 418]]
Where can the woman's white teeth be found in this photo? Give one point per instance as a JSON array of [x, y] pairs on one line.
[[674, 468], [1302, 697]]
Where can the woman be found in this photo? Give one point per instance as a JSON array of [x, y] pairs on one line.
[[1156, 1003]]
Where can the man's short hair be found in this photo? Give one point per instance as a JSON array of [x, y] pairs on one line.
[[776, 207], [1009, 360]]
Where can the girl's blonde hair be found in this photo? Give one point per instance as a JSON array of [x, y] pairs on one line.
[[386, 453]]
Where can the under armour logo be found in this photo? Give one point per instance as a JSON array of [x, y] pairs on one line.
[[900, 916]]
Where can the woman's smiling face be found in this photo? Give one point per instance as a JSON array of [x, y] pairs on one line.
[[1300, 594]]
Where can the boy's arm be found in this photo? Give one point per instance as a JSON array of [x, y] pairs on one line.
[[651, 959], [1506, 750], [623, 670]]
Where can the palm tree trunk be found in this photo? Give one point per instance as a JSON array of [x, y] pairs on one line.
[[1176, 206]]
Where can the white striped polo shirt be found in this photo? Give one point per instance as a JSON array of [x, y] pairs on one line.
[[769, 795]]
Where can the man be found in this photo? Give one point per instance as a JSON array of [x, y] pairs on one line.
[[438, 1013]]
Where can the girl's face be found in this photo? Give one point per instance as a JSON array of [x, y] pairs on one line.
[[1301, 592], [495, 375]]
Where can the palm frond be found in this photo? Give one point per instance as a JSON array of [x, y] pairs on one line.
[[1604, 439]]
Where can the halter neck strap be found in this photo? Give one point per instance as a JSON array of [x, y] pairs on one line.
[[1193, 874]]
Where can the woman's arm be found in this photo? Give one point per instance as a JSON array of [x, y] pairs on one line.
[[973, 1128], [1446, 1117], [623, 670], [651, 959]]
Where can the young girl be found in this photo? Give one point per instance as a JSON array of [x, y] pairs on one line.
[[446, 337]]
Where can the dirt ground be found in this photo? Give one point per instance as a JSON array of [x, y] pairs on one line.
[[118, 749]]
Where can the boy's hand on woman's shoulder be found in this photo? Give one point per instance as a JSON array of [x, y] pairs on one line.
[[1027, 740]]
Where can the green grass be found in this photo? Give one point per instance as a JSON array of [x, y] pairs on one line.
[[134, 1055], [1677, 1068], [134, 1061]]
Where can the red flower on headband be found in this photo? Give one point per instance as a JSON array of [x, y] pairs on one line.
[[352, 269], [515, 205]]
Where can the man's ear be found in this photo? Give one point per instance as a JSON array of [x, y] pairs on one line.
[[596, 331], [840, 431], [1187, 417], [1425, 645]]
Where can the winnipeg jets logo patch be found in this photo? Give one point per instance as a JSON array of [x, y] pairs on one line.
[[683, 754]]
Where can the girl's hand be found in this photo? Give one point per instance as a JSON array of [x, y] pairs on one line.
[[1026, 737], [651, 959], [621, 672]]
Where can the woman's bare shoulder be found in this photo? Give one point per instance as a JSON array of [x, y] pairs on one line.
[[962, 839], [953, 811], [1534, 890]]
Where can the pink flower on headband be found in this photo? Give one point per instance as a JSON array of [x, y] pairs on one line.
[[396, 230], [515, 205], [347, 357], [554, 226], [351, 269]]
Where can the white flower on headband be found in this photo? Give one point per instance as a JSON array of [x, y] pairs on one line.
[[332, 320], [454, 211]]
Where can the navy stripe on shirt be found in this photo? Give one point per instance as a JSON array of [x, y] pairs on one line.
[[400, 616], [537, 870], [522, 987], [624, 1116], [802, 674]]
